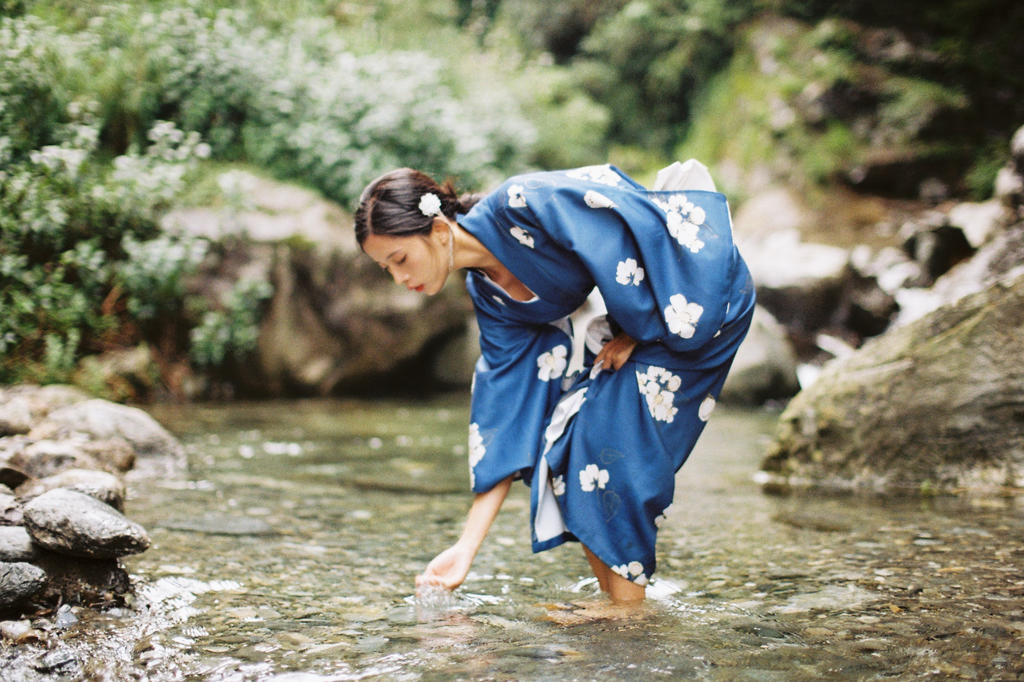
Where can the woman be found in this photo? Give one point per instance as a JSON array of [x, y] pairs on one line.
[[609, 316]]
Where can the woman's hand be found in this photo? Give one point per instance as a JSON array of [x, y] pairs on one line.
[[448, 569], [615, 353]]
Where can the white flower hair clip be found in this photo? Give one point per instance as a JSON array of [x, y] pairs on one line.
[[430, 204]]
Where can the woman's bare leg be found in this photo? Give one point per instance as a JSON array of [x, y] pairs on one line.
[[621, 591], [601, 571]]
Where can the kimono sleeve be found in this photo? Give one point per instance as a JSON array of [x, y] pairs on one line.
[[516, 381], [664, 262]]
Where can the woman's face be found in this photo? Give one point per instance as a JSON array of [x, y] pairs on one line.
[[420, 263]]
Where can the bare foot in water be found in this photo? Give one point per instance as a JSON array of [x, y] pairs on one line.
[[593, 611]]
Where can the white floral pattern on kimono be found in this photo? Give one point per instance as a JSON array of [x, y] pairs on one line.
[[522, 236], [683, 220], [516, 198], [597, 200], [593, 477], [634, 571], [658, 386], [682, 316], [629, 272], [552, 364], [600, 174], [476, 447]]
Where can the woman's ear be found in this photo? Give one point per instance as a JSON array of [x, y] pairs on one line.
[[441, 229]]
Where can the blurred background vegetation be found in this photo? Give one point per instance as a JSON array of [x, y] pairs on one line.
[[111, 113]]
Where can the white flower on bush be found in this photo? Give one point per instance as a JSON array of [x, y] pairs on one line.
[[552, 364], [658, 386], [597, 200], [707, 406], [682, 316], [558, 485], [629, 272], [593, 477], [522, 236], [516, 198], [634, 571], [476, 445]]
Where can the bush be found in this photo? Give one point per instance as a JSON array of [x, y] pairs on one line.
[[296, 101]]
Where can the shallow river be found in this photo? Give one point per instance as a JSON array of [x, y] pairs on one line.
[[288, 550]]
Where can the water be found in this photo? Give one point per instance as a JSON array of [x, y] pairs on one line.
[[288, 552]]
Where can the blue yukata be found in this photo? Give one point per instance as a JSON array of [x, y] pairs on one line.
[[601, 254]]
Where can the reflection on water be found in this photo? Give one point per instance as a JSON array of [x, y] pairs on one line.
[[288, 552]]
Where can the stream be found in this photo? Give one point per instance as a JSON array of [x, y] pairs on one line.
[[288, 551]]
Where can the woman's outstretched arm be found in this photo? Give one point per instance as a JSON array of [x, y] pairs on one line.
[[449, 568]]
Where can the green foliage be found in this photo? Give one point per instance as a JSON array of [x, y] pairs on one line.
[[231, 332], [295, 100], [67, 215]]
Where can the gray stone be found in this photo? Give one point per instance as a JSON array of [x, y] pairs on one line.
[[19, 581], [16, 544], [112, 454], [103, 486], [10, 509], [101, 420], [73, 523], [979, 221], [765, 366], [931, 406], [47, 457], [15, 416]]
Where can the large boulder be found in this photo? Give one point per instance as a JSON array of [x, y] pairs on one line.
[[334, 322], [933, 405]]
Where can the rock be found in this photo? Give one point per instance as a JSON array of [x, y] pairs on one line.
[[100, 485], [16, 544], [12, 476], [19, 581], [47, 457], [1002, 258], [39, 400], [88, 582], [123, 374], [264, 210], [103, 420], [938, 249], [113, 454], [1017, 149], [765, 366], [15, 416], [19, 631], [978, 221], [10, 510], [334, 323], [74, 523], [1009, 187], [800, 283], [928, 406]]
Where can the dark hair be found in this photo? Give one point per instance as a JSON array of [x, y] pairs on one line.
[[390, 204]]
